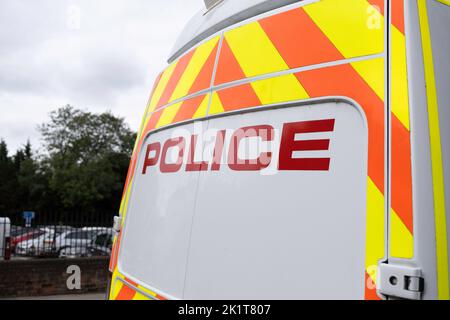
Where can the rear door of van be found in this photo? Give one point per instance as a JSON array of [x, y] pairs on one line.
[[268, 179]]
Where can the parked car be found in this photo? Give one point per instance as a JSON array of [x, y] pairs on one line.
[[36, 244], [19, 234], [78, 238], [96, 229], [49, 243], [100, 245]]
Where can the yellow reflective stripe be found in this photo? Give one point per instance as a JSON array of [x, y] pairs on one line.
[[279, 89], [254, 51], [446, 2], [116, 290], [149, 292], [436, 157], [140, 297], [203, 108], [216, 105], [401, 239], [375, 228], [116, 285], [168, 114], [141, 127], [126, 200], [167, 74], [372, 71], [355, 27], [400, 97], [146, 121], [193, 69]]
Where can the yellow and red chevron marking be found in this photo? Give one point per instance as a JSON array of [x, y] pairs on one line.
[[319, 32], [359, 81], [126, 289], [190, 74], [401, 217], [313, 34], [193, 108]]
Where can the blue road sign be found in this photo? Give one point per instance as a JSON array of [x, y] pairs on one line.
[[28, 217]]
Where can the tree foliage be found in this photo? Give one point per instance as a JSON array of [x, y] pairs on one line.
[[80, 169]]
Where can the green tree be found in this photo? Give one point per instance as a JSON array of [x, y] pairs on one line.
[[86, 158], [31, 184]]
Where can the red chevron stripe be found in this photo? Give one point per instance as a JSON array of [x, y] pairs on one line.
[[370, 292], [203, 80], [228, 69], [239, 97], [188, 109], [378, 4], [398, 14], [298, 39], [401, 181], [175, 78], [126, 293], [343, 80]]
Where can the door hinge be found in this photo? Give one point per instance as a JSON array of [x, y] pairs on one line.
[[400, 281]]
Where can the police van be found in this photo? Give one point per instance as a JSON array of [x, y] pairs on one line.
[[294, 150]]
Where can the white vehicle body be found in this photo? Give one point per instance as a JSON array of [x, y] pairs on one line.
[[37, 246], [79, 239], [99, 241], [294, 150]]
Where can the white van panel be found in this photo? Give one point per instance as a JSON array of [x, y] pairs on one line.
[[229, 234], [292, 235], [156, 233]]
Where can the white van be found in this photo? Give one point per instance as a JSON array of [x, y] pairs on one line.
[[294, 150], [5, 239]]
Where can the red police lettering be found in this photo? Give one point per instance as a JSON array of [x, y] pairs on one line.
[[151, 161], [263, 161], [191, 165], [265, 133], [179, 143], [290, 145]]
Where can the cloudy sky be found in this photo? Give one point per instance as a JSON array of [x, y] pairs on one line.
[[97, 55]]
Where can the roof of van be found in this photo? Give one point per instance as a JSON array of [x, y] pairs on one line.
[[226, 13]]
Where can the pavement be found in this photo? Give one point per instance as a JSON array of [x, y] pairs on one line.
[[91, 296]]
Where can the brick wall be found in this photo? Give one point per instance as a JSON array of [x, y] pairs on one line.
[[26, 278]]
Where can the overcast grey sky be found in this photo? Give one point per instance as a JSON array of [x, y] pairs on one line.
[[94, 54]]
